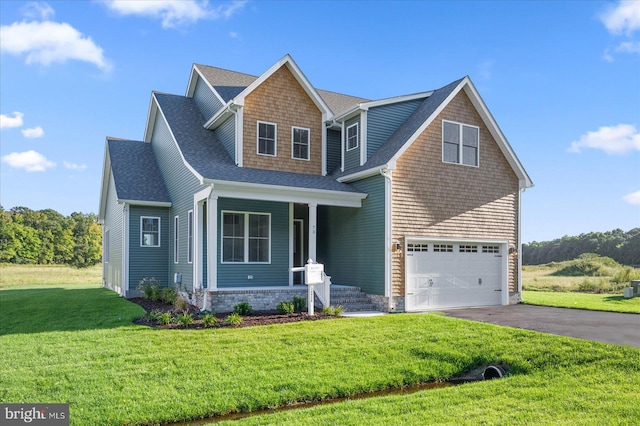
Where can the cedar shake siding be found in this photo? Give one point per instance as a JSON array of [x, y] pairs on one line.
[[281, 100], [432, 198]]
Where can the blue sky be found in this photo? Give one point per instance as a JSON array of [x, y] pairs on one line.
[[561, 78]]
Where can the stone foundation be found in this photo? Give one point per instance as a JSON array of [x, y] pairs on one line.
[[222, 301]]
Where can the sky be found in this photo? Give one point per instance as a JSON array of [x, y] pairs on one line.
[[562, 80]]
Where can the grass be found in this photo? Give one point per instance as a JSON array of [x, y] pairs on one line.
[[593, 302], [31, 276], [76, 344]]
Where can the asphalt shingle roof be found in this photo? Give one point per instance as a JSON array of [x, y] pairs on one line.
[[202, 150], [135, 171]]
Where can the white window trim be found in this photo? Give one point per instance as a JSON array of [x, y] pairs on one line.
[[106, 244], [190, 236], [246, 237], [346, 143], [275, 138], [293, 128], [142, 218], [460, 144], [176, 239]]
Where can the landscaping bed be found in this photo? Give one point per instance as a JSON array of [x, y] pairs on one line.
[[253, 319]]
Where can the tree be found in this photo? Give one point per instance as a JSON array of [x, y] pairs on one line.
[[87, 236]]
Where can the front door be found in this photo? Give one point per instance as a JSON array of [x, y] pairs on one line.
[[298, 248]]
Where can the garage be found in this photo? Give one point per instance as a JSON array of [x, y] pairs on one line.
[[453, 274]]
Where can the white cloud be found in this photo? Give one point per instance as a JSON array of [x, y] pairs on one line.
[[633, 198], [174, 13], [629, 47], [73, 166], [618, 139], [47, 42], [485, 69], [31, 161], [7, 122], [38, 10], [623, 18], [33, 133]]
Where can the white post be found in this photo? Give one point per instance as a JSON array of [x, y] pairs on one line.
[[313, 224], [310, 299]]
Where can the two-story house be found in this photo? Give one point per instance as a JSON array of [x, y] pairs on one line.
[[413, 199]]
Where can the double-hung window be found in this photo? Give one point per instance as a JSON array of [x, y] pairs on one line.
[[190, 236], [460, 143], [352, 137], [246, 237], [267, 138], [150, 231], [299, 143], [176, 239]]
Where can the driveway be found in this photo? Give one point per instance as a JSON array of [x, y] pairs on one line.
[[607, 327]]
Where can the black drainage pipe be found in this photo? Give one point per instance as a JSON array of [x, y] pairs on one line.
[[493, 372]]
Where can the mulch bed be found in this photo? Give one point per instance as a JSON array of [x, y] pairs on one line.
[[256, 317]]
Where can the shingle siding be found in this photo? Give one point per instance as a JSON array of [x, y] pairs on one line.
[[207, 101], [351, 241], [436, 199], [181, 184], [112, 272], [148, 262], [264, 275], [226, 134], [383, 121]]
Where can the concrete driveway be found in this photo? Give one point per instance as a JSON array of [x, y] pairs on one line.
[[608, 327]]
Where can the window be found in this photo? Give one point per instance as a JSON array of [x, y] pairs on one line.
[[266, 138], [190, 236], [106, 246], [443, 248], [246, 237], [468, 249], [491, 249], [417, 247], [352, 137], [300, 143], [176, 235], [149, 231], [460, 143]]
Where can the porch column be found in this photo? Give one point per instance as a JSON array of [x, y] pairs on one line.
[[212, 242], [313, 224]]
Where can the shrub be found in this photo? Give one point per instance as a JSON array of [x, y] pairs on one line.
[[593, 286], [169, 295], [165, 318], [233, 319], [331, 310], [626, 275], [181, 304], [299, 303], [286, 307], [208, 319], [150, 287], [243, 309], [184, 318], [154, 315]]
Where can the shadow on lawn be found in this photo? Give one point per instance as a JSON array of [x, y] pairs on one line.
[[60, 309], [616, 298]]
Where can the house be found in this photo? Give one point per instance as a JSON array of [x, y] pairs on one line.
[[415, 199]]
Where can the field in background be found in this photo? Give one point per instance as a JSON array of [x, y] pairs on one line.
[[28, 276]]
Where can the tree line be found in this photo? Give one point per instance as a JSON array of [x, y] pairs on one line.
[[47, 237], [623, 247]]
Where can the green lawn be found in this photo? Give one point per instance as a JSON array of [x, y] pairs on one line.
[[76, 344], [593, 302], [30, 276]]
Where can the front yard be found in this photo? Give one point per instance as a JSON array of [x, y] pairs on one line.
[[77, 344]]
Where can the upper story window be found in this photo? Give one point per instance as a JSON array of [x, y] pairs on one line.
[[176, 239], [299, 143], [460, 143], [190, 236], [266, 138], [246, 237], [149, 231], [352, 137]]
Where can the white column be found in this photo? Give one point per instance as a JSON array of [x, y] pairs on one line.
[[212, 242], [313, 225]]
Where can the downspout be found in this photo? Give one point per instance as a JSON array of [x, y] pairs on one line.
[[388, 259], [519, 246]]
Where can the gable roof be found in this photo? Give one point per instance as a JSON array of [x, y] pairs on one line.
[[414, 125], [211, 161], [136, 175]]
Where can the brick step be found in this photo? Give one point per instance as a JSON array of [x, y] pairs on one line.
[[352, 299], [349, 300]]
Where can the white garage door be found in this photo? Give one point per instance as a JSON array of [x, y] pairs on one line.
[[451, 275]]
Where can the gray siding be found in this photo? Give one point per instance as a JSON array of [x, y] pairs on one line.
[[113, 220], [384, 120], [226, 134], [206, 100], [148, 262], [351, 241], [181, 184], [334, 145], [264, 275], [352, 158]]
